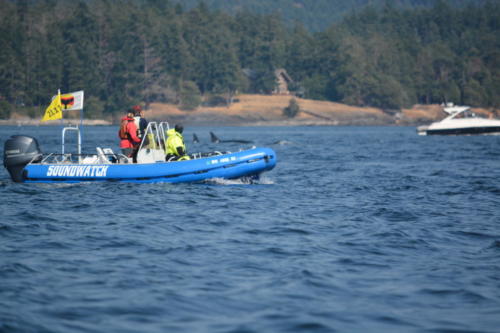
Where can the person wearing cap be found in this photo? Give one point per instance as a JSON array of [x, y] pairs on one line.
[[176, 149], [128, 135]]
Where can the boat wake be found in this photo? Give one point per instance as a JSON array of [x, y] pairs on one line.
[[265, 181], [283, 143], [240, 181]]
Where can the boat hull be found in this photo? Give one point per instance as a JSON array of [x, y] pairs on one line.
[[464, 131], [461, 121], [227, 166]]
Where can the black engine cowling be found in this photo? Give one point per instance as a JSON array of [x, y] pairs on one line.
[[18, 151]]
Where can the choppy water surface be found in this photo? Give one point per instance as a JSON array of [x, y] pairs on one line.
[[357, 229]]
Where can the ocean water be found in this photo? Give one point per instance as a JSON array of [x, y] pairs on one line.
[[357, 229]]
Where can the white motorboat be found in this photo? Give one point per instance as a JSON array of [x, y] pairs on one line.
[[461, 120]]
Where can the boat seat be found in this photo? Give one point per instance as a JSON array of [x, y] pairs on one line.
[[110, 155], [94, 159], [108, 151], [103, 159]]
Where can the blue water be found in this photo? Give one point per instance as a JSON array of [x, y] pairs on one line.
[[357, 229]]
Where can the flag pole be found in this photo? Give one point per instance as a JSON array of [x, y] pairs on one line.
[[81, 129], [61, 123]]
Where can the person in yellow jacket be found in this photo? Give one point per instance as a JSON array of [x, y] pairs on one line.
[[176, 149]]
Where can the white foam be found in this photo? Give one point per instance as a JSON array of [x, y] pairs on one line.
[[240, 181]]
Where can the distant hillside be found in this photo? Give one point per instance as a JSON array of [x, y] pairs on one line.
[[128, 52], [267, 110], [315, 15]]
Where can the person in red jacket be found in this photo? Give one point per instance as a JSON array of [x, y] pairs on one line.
[[129, 142]]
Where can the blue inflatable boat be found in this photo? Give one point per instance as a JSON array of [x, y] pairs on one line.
[[26, 163]]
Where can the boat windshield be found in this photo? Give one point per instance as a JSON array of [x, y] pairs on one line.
[[460, 112], [468, 114]]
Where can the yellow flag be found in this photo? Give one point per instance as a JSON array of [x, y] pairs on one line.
[[54, 111]]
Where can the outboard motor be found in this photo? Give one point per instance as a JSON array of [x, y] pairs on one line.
[[18, 151]]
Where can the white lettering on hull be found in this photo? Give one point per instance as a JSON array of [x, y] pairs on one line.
[[222, 160], [77, 171]]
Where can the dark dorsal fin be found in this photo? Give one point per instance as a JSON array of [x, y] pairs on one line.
[[214, 138]]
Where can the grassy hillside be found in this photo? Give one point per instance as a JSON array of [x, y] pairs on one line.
[[268, 110]]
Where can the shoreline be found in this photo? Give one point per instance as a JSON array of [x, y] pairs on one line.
[[267, 110], [37, 122], [207, 122]]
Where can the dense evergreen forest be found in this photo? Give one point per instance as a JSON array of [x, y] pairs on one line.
[[124, 52], [315, 15]]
